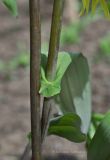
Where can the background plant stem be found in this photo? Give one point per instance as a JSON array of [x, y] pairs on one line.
[[52, 58], [35, 51]]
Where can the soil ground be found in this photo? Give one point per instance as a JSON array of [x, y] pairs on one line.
[[14, 89]]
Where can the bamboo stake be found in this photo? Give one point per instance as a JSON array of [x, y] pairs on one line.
[[35, 51]]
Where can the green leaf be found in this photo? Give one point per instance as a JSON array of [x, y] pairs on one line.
[[105, 45], [12, 6], [90, 134], [95, 121], [99, 147], [75, 95], [94, 3], [51, 88], [97, 117], [105, 8], [86, 4], [67, 126]]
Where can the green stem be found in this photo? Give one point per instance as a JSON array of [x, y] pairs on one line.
[[52, 59], [35, 50], [54, 39]]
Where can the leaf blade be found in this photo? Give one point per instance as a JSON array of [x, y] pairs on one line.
[[100, 144], [75, 95], [67, 126], [12, 6], [51, 88]]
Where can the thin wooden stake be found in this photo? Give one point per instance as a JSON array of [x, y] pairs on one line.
[[35, 51]]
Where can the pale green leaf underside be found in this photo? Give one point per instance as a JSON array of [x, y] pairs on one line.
[[99, 147], [67, 126], [75, 95], [12, 6]]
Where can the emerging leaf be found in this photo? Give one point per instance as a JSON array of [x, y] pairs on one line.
[[67, 126], [51, 88], [95, 121]]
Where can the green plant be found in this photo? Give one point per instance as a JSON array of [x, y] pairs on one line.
[[65, 79], [21, 60], [104, 45], [70, 34], [104, 50]]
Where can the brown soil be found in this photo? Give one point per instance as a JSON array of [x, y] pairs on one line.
[[14, 90]]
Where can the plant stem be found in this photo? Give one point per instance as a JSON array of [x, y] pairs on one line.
[[54, 38], [52, 59], [26, 153], [35, 51]]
